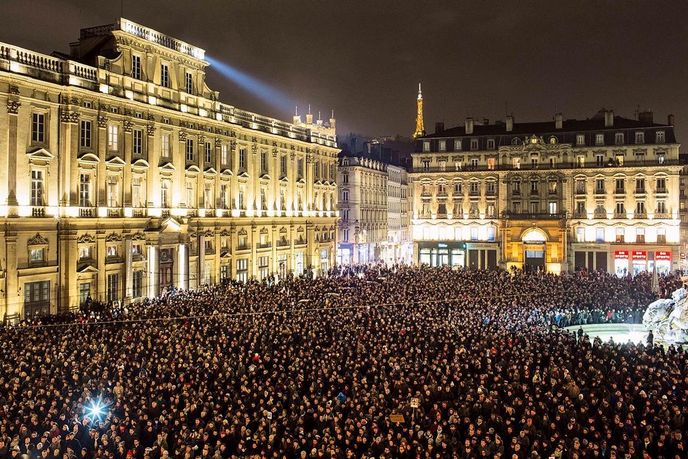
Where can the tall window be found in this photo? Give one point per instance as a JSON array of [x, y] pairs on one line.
[[190, 194], [619, 138], [208, 153], [299, 169], [620, 185], [137, 147], [165, 193], [85, 190], [38, 127], [640, 185], [165, 145], [639, 137], [136, 192], [137, 284], [242, 201], [599, 186], [661, 185], [264, 162], [136, 67], [37, 187], [640, 208], [188, 82], [112, 191], [113, 137], [659, 137], [263, 199], [224, 195], [599, 139], [580, 139], [113, 287], [661, 207], [442, 145], [620, 209], [165, 75], [189, 150], [345, 195], [208, 195], [224, 154], [242, 159], [283, 165], [85, 134]]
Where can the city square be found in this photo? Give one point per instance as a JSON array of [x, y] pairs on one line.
[[185, 274]]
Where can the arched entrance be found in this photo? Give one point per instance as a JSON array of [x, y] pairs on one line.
[[534, 249]]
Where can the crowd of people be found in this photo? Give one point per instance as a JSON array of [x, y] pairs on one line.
[[394, 362]]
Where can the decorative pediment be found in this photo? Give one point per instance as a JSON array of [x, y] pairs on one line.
[[88, 159], [115, 162], [140, 164], [192, 170], [242, 232], [170, 225], [37, 240], [86, 239], [225, 254], [138, 237], [167, 168], [244, 174], [226, 172], [284, 178], [40, 156], [209, 233], [265, 177], [224, 233], [210, 171], [87, 269], [113, 237]]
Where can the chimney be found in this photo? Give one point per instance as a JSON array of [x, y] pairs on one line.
[[332, 121], [645, 116], [469, 125], [558, 121], [509, 123], [297, 118], [439, 127], [309, 115], [609, 118], [670, 120]]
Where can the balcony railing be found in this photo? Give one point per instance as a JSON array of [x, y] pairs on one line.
[[660, 215], [114, 213], [87, 212], [533, 215], [38, 211], [547, 166]]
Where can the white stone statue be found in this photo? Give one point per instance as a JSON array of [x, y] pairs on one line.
[[668, 318]]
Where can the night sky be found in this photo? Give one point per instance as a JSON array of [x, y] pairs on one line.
[[364, 58]]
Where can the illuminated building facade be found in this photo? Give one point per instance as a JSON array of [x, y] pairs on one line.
[[123, 175], [363, 198], [600, 193]]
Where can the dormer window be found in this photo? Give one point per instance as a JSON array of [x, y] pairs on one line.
[[659, 137], [490, 144], [639, 137], [474, 144], [580, 140], [619, 138], [426, 145], [599, 139], [457, 145], [442, 145]]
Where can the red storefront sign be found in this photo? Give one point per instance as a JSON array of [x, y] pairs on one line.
[[621, 255], [662, 255], [639, 255]]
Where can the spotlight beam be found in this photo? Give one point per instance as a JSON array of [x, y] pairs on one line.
[[260, 89]]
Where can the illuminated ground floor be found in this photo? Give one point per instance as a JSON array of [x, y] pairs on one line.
[[541, 245], [54, 265]]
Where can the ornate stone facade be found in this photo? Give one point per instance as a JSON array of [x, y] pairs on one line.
[[140, 179]]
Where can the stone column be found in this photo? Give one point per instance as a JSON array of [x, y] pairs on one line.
[[101, 252], [14, 301], [12, 152], [201, 260], [128, 274], [153, 270]]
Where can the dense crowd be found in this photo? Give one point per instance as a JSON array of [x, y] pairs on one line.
[[377, 363]]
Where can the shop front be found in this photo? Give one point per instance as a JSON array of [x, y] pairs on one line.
[[442, 254], [636, 261]]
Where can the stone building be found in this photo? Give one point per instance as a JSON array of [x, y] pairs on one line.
[[123, 174], [600, 193]]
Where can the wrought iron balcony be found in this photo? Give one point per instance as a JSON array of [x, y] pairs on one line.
[[533, 215]]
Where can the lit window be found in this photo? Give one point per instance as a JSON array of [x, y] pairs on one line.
[[113, 137], [208, 153], [639, 137], [599, 139], [36, 255], [659, 137], [442, 145], [165, 145], [580, 140], [85, 190], [426, 146], [490, 144], [224, 155], [619, 138], [457, 145], [37, 188], [242, 159], [474, 144]]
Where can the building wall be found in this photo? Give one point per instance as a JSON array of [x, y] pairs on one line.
[[131, 186], [491, 194]]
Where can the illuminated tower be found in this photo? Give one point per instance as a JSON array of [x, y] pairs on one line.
[[420, 128]]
